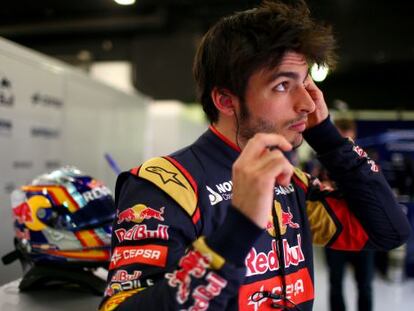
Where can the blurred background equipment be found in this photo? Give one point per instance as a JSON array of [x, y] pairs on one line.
[[158, 39], [391, 143]]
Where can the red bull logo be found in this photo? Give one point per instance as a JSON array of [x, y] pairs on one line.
[[124, 276], [141, 232], [22, 213], [139, 212], [258, 263], [287, 219], [204, 293], [193, 264]]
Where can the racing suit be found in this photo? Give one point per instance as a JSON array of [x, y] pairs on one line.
[[178, 244]]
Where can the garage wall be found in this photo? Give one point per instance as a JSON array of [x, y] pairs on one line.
[[53, 115]]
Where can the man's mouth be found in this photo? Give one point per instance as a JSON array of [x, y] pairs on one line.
[[298, 126]]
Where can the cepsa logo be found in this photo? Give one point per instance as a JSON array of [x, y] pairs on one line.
[[138, 213], [299, 289], [150, 254]]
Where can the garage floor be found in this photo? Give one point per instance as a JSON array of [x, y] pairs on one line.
[[388, 296]]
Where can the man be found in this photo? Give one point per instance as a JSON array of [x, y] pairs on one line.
[[227, 223]]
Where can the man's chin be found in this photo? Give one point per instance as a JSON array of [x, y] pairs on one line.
[[297, 141]]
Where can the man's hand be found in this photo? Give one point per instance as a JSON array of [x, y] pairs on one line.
[[259, 167], [321, 109]]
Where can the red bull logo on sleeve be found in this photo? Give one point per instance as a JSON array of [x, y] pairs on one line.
[[124, 276], [141, 232], [122, 281], [287, 219], [138, 213], [358, 150], [204, 293], [193, 264]]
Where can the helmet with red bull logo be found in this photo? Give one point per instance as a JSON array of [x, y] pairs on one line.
[[63, 223]]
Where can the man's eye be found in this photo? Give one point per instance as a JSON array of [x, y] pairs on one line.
[[281, 87]]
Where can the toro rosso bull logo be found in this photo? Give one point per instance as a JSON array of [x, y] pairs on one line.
[[138, 213], [285, 220]]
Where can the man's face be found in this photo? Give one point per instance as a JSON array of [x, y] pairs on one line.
[[277, 101]]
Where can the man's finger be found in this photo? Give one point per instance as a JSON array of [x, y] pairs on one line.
[[261, 142]]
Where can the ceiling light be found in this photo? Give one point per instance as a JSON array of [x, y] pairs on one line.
[[319, 72], [125, 2]]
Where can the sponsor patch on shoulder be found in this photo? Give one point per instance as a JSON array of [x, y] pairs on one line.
[[139, 212]]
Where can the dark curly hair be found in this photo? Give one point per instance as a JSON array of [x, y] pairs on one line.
[[241, 44]]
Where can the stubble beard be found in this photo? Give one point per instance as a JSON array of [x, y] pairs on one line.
[[249, 127]]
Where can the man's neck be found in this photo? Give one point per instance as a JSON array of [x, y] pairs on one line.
[[228, 130]]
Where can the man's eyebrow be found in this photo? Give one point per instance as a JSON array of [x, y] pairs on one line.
[[287, 74]]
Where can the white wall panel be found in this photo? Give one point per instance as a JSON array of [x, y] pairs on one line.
[[59, 116], [172, 125]]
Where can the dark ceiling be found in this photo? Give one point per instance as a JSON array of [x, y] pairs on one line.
[[159, 37]]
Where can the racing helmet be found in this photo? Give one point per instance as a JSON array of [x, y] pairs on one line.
[[63, 223]]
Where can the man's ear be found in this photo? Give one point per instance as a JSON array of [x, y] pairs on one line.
[[224, 101]]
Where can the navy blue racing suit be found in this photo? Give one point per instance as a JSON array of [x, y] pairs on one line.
[[178, 244]]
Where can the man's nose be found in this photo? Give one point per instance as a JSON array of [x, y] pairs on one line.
[[303, 101]]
